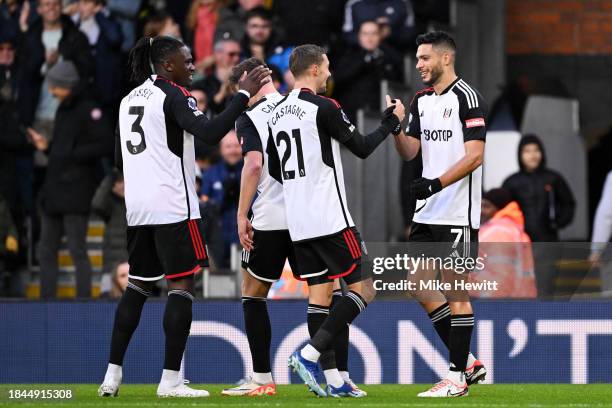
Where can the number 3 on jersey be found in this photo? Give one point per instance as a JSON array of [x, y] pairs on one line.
[[136, 128], [283, 138]]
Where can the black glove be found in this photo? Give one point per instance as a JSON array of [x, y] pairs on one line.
[[423, 188], [391, 121]]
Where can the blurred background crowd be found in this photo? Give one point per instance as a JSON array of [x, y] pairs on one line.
[[63, 74]]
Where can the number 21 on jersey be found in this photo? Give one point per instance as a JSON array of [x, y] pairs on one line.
[[283, 139]]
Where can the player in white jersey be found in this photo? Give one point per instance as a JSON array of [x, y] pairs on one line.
[[264, 235], [305, 133], [447, 122], [157, 123]]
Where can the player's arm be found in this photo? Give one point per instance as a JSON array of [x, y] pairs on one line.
[[362, 146], [211, 131], [251, 172], [408, 142]]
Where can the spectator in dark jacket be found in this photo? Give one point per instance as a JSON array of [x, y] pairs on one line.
[[49, 39], [547, 204], [358, 73], [220, 191], [81, 136], [543, 194], [8, 244], [232, 18], [105, 38], [109, 204], [395, 17]]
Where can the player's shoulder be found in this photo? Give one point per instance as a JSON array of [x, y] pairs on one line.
[[420, 93], [170, 88], [323, 102], [467, 94]]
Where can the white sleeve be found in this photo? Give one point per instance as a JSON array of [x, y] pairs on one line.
[[602, 225]]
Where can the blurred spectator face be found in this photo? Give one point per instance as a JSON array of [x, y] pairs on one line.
[[50, 10], [487, 210], [59, 92], [258, 30], [170, 28], [87, 8], [7, 54], [120, 280], [369, 36], [531, 156], [227, 54], [250, 4], [200, 97], [230, 149]]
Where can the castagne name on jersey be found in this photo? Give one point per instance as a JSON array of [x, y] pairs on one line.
[[288, 110]]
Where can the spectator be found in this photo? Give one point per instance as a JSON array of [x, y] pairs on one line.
[[114, 284], [359, 72], [162, 25], [81, 135], [13, 142], [9, 244], [104, 35], [220, 191], [232, 19], [126, 13], [546, 202], [505, 248], [216, 84], [202, 22], [602, 231], [322, 17], [543, 194], [50, 38], [109, 203], [395, 18], [260, 42]]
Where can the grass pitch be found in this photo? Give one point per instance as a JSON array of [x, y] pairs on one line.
[[506, 395]]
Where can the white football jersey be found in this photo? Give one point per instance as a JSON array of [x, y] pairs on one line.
[[158, 155], [252, 129], [305, 135], [443, 123]]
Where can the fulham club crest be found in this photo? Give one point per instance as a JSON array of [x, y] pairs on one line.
[[447, 113]]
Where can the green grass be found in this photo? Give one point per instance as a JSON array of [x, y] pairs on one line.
[[507, 395]]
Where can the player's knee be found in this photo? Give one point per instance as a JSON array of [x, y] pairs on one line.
[[147, 286], [186, 284], [254, 287], [460, 307]]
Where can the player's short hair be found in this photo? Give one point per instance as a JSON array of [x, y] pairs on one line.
[[245, 66], [150, 51], [437, 38], [303, 57]]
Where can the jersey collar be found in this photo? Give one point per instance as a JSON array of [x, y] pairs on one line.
[[448, 88]]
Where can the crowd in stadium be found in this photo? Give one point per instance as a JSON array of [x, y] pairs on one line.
[[62, 76]]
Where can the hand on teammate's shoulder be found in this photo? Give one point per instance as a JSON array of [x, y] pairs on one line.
[[254, 80]]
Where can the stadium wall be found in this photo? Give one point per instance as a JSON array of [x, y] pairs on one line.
[[520, 342]]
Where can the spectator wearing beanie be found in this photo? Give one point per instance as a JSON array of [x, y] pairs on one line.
[[82, 135]]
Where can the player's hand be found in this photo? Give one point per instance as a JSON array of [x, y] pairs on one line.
[[399, 110], [389, 118], [254, 80], [423, 188], [245, 233]]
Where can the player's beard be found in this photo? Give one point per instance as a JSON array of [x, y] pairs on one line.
[[435, 75]]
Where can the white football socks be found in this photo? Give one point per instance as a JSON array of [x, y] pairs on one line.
[[262, 378], [333, 377], [170, 378], [471, 360], [310, 353], [114, 374]]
